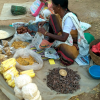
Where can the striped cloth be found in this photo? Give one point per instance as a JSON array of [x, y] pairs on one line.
[[41, 52], [35, 6]]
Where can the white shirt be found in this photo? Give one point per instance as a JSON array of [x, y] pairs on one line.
[[68, 25]]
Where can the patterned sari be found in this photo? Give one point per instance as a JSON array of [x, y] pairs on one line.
[[66, 52]]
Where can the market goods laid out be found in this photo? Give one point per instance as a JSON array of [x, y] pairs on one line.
[[6, 31], [10, 72], [63, 80], [18, 79], [22, 30], [28, 72], [25, 89], [19, 44], [3, 34], [25, 61], [24, 75], [18, 10], [6, 51]]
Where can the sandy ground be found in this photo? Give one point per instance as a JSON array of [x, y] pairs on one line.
[[87, 11]]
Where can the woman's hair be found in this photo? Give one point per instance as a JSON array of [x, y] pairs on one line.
[[63, 4]]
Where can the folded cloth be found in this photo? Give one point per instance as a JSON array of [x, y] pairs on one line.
[[96, 48]]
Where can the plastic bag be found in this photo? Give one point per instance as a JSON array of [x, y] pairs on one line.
[[84, 26], [27, 34], [20, 37], [26, 53], [3, 57], [51, 53], [40, 42], [37, 40], [19, 24], [8, 51], [1, 49], [5, 43], [45, 13]]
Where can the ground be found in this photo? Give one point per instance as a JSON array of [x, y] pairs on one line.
[[87, 11]]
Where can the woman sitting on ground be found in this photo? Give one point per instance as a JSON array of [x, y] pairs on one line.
[[64, 32]]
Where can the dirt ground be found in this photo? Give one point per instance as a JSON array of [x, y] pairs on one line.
[[87, 11]]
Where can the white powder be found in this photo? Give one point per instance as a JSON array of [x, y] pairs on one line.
[[3, 34]]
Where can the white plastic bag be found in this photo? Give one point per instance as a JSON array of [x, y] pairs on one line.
[[51, 53], [26, 53], [26, 36], [20, 37], [19, 24], [37, 40], [84, 26]]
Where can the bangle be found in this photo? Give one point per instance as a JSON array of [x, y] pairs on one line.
[[45, 32]]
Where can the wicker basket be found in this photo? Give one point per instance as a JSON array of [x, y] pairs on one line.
[[94, 57]]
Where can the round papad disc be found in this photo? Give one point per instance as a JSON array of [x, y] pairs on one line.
[[63, 72]]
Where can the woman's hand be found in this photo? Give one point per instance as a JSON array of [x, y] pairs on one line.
[[42, 30], [41, 24]]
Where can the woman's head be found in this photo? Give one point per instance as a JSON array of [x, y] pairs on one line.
[[59, 4]]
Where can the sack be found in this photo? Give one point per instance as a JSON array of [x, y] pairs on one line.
[[26, 53], [36, 7], [40, 43]]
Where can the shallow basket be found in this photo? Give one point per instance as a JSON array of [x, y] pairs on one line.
[[94, 57]]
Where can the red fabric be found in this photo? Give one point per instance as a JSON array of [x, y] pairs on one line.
[[53, 24], [96, 48]]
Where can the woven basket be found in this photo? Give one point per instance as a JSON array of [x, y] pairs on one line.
[[94, 57]]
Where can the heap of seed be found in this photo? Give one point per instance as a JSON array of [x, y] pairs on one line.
[[63, 84]]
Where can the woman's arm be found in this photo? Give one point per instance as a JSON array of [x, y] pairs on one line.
[[40, 24], [62, 38]]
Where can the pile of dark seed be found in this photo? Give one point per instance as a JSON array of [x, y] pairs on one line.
[[63, 84]]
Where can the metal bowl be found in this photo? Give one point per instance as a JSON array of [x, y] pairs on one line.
[[9, 29]]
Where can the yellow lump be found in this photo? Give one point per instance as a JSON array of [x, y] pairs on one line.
[[9, 71], [25, 61], [28, 72], [18, 44]]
